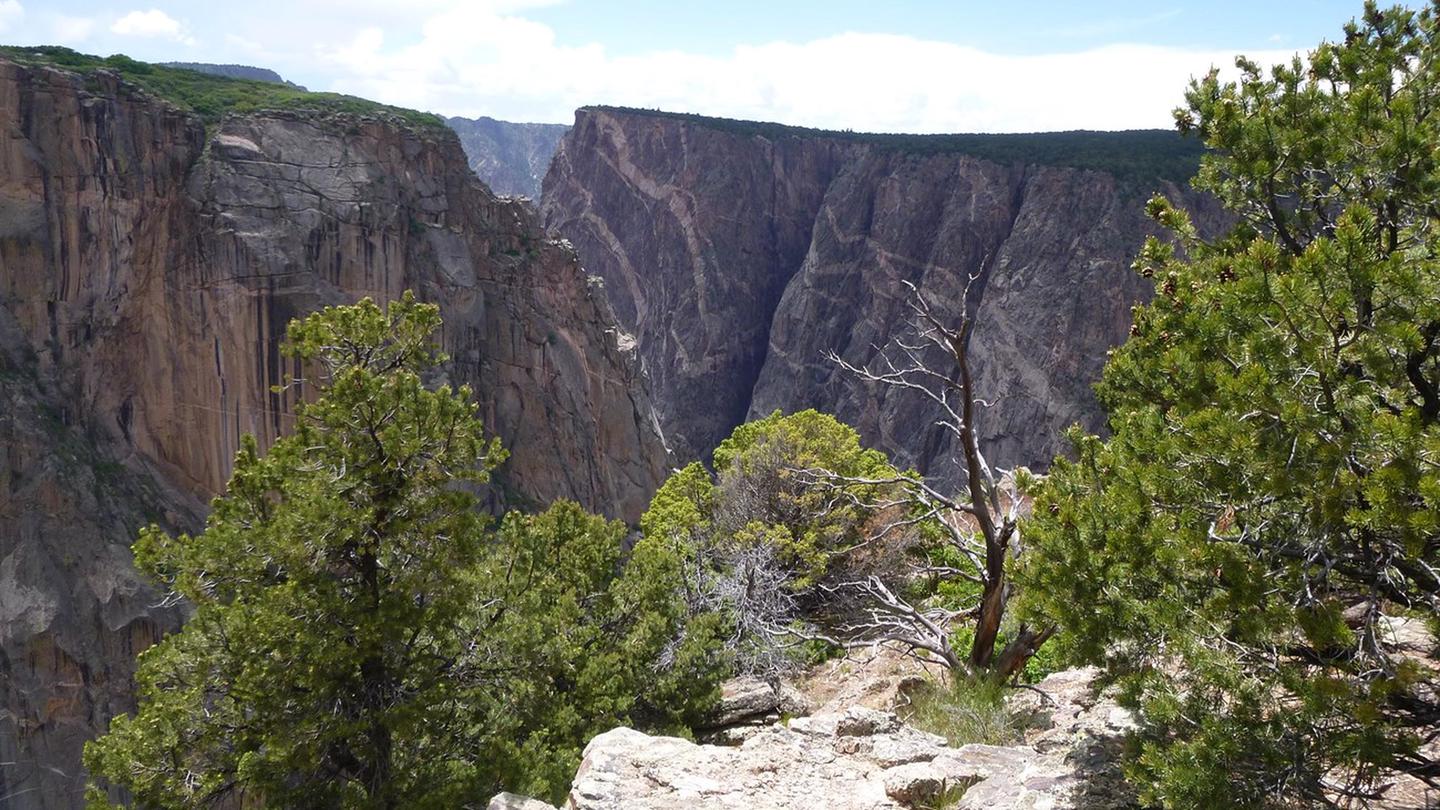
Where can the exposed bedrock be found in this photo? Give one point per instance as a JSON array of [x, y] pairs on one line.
[[739, 258], [148, 269]]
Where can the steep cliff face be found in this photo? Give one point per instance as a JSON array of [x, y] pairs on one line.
[[1050, 250], [696, 233], [511, 158], [73, 611], [739, 254], [147, 273]]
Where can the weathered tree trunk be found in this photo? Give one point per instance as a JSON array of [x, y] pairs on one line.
[[983, 503], [987, 624], [1019, 651], [376, 686], [981, 524]]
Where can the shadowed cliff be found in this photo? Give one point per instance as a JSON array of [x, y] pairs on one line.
[[740, 252], [511, 158]]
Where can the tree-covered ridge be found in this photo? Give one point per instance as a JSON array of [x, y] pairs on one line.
[[209, 96], [232, 71], [1132, 156]]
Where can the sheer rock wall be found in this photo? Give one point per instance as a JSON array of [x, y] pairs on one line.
[[148, 269], [738, 259]]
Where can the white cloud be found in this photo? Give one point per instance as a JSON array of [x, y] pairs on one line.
[[476, 58], [11, 13], [152, 23], [69, 30], [243, 50]]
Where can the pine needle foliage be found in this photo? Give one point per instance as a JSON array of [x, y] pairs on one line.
[[362, 638], [1271, 489]]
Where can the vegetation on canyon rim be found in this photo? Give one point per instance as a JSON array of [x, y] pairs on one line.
[[1134, 157], [1269, 492], [210, 96]]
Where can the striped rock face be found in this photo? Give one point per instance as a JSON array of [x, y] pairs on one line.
[[739, 255]]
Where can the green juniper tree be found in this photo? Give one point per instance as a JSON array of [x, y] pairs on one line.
[[758, 538], [802, 538], [1270, 495], [328, 658], [763, 494], [360, 639], [586, 638]]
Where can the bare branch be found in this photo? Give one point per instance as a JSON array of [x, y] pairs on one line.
[[931, 359]]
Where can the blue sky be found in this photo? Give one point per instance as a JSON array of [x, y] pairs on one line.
[[903, 65], [1009, 27]]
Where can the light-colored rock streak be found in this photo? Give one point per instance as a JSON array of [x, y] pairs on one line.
[[678, 201], [630, 277]]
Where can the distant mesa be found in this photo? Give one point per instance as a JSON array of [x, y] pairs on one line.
[[254, 74]]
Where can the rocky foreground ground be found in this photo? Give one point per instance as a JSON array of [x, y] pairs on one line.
[[836, 740], [855, 756]]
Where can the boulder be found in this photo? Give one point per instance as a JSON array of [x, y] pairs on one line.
[[511, 801], [748, 700], [1407, 634], [744, 700]]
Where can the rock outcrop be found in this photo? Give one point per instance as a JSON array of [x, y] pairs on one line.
[[511, 801], [747, 703], [867, 759], [148, 269], [739, 253], [511, 158]]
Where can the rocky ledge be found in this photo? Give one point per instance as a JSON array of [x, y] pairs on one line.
[[866, 758]]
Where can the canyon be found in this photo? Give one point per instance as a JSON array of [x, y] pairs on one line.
[[739, 254], [149, 264], [679, 276], [510, 157]]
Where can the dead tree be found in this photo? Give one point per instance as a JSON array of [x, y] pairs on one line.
[[980, 524]]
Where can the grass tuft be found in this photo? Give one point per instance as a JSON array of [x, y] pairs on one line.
[[971, 711], [948, 799]]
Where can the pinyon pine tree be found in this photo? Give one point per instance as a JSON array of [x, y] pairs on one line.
[[1237, 554], [759, 541], [361, 640]]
